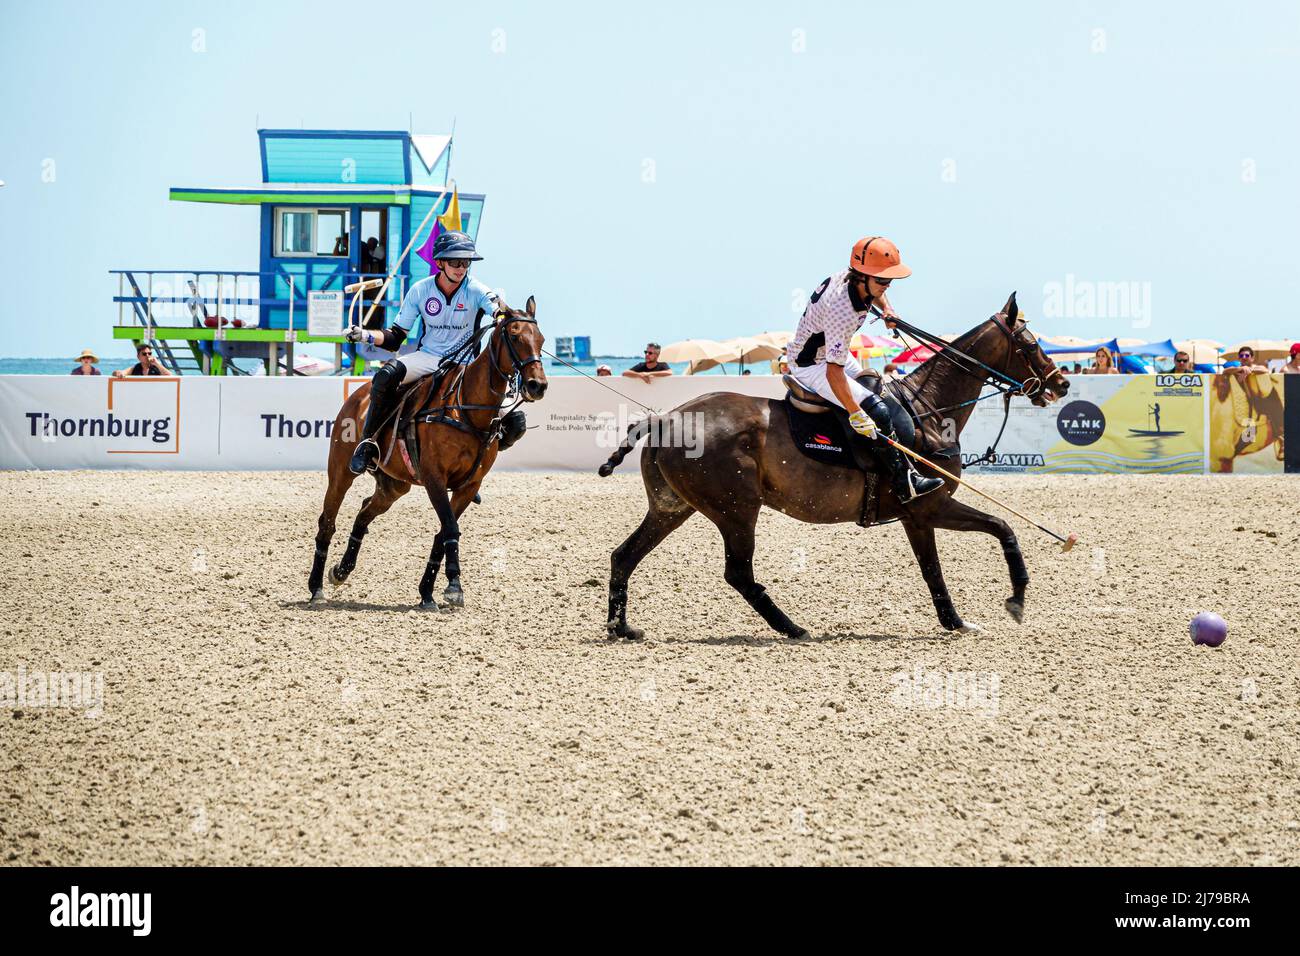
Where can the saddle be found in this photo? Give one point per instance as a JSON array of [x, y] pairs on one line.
[[401, 428], [829, 440]]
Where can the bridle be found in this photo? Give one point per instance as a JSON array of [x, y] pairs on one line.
[[1019, 341], [517, 364], [453, 400]]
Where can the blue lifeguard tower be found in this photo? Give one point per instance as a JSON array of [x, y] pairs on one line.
[[337, 206]]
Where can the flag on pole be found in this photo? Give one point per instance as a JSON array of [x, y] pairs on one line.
[[449, 221]]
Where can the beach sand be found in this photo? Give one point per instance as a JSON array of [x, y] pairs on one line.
[[241, 726]]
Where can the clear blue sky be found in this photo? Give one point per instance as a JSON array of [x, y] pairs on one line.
[[1113, 157]]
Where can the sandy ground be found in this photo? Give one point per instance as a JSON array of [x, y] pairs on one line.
[[241, 726]]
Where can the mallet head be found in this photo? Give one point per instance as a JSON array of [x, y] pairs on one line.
[[1069, 542]]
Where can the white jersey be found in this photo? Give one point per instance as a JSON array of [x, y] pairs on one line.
[[445, 322], [833, 316]]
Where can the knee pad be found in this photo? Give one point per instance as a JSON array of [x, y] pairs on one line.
[[878, 411], [388, 377], [513, 427]]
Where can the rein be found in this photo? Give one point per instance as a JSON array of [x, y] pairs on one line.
[[510, 380], [1003, 384]]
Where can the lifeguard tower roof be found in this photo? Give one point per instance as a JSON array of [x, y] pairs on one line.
[[325, 194]]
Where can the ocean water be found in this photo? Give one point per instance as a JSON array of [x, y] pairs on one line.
[[618, 364]]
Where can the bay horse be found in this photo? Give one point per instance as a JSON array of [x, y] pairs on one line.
[[457, 429], [745, 459]]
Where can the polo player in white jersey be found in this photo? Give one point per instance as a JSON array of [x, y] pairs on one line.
[[449, 307], [821, 362]]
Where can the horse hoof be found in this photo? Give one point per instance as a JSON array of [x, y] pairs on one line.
[[615, 631], [454, 597], [799, 635], [318, 596], [969, 627], [1016, 609], [605, 470], [430, 605], [336, 579]]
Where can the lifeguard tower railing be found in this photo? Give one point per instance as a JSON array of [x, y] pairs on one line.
[[220, 315]]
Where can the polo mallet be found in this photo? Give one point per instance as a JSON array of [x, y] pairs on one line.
[[1066, 543]]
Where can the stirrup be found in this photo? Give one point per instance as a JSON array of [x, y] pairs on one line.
[[917, 485], [363, 460]]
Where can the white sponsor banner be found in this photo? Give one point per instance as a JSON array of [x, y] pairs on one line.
[[282, 423], [286, 423], [49, 421]]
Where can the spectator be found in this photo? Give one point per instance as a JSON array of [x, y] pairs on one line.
[[88, 361], [1246, 356], [1078, 368], [745, 372], [148, 364], [651, 368], [1102, 364], [1182, 364], [783, 367], [341, 245], [603, 370], [1293, 366]]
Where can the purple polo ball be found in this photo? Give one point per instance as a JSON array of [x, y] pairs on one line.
[[1209, 629]]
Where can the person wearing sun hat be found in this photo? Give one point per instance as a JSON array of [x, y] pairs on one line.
[[87, 361]]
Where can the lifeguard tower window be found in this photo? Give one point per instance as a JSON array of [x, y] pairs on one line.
[[311, 232]]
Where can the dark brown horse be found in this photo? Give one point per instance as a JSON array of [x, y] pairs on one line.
[[749, 461], [455, 453]]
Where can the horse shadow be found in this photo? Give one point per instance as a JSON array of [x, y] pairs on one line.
[[346, 606], [754, 640]]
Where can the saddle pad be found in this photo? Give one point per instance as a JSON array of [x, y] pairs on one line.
[[822, 436]]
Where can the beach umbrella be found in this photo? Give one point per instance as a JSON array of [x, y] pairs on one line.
[[1264, 349], [779, 339], [919, 354], [694, 350], [1063, 341], [745, 350], [873, 346], [1202, 351], [749, 349]]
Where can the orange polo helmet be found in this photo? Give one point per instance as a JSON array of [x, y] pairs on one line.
[[877, 256]]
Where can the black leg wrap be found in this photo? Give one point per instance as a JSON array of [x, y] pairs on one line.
[[1016, 563], [452, 555], [762, 602]]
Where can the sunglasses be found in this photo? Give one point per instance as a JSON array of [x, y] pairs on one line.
[[1181, 361], [457, 263], [1245, 355], [877, 281]]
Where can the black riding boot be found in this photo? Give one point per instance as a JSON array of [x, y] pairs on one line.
[[906, 481], [383, 392]]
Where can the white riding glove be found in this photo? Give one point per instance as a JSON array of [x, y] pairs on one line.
[[356, 333], [862, 424]]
